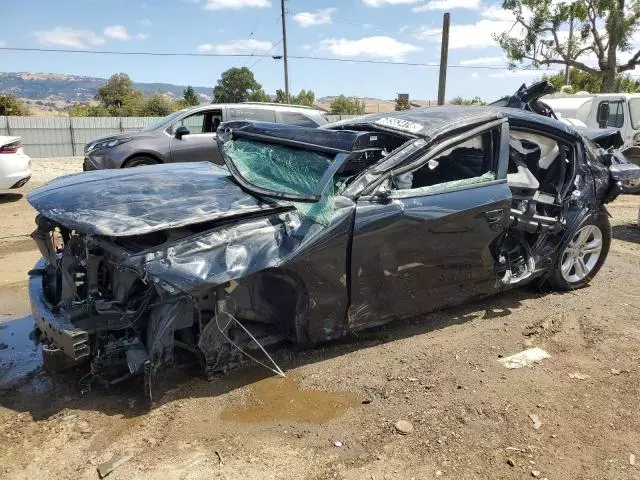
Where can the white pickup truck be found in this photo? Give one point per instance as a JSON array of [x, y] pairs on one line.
[[604, 110]]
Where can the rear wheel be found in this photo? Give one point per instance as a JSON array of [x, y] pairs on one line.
[[583, 254], [141, 162]]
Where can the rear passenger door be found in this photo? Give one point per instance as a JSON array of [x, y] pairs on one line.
[[430, 244]]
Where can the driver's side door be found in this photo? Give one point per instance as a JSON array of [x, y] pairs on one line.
[[200, 144], [430, 243]]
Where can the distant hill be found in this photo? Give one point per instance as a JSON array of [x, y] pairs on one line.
[[59, 89]]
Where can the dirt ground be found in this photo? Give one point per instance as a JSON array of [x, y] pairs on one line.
[[334, 414]]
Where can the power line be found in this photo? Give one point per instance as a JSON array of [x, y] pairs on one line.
[[252, 35], [247, 55], [266, 53]]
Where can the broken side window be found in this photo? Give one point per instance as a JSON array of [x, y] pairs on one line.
[[470, 162]]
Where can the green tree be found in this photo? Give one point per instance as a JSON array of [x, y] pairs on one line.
[[467, 101], [132, 105], [280, 96], [117, 91], [402, 103], [305, 97], [602, 28], [12, 105], [346, 106], [586, 82], [189, 97], [85, 110], [235, 85], [259, 96], [157, 105]]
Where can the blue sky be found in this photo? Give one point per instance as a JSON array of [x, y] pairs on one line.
[[387, 30]]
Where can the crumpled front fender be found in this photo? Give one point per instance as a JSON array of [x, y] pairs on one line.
[[221, 255]]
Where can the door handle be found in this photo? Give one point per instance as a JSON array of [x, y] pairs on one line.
[[494, 216]]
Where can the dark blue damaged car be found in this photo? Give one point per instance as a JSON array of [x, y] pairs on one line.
[[310, 234]]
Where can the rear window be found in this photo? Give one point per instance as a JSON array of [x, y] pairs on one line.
[[261, 114], [295, 118]]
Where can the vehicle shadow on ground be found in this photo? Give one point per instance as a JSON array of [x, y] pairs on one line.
[[43, 395], [628, 232], [10, 197]]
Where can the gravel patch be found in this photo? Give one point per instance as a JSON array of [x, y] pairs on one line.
[[46, 169]]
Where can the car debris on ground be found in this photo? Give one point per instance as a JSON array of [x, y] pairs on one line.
[[526, 358]]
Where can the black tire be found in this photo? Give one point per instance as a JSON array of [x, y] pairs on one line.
[[141, 161], [631, 190], [570, 281]]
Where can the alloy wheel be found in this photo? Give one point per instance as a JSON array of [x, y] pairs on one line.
[[581, 255]]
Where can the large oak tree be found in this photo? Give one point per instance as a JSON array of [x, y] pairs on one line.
[[603, 30]]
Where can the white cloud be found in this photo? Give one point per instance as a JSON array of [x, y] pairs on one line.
[[142, 36], [447, 5], [117, 32], [382, 3], [145, 22], [378, 47], [494, 12], [319, 17], [485, 61], [68, 37], [237, 47], [3, 43], [236, 4], [474, 75], [478, 35]]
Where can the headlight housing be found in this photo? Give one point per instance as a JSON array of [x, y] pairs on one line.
[[113, 142]]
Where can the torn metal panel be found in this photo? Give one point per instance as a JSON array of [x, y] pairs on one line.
[[131, 202], [164, 320]]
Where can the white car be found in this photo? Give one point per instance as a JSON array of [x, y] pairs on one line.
[[15, 165]]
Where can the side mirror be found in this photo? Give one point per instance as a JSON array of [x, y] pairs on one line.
[[602, 115], [383, 193], [181, 132]]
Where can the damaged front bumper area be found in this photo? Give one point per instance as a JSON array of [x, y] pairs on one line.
[[101, 300]]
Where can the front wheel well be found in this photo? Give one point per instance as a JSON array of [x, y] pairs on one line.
[[141, 155]]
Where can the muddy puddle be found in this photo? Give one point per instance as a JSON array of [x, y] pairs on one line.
[[19, 353], [277, 398]]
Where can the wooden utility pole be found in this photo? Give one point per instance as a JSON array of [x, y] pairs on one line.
[[284, 48], [444, 55]]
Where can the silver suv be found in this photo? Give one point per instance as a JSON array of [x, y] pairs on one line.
[[188, 135]]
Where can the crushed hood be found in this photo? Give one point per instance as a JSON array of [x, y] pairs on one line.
[[136, 201]]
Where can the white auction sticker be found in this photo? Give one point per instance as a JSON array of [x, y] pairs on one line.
[[400, 124]]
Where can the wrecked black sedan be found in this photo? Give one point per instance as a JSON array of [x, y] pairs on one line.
[[313, 233]]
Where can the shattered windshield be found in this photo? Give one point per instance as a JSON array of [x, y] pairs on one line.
[[278, 169]]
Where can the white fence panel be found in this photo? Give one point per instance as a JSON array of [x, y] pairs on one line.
[[66, 136]]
